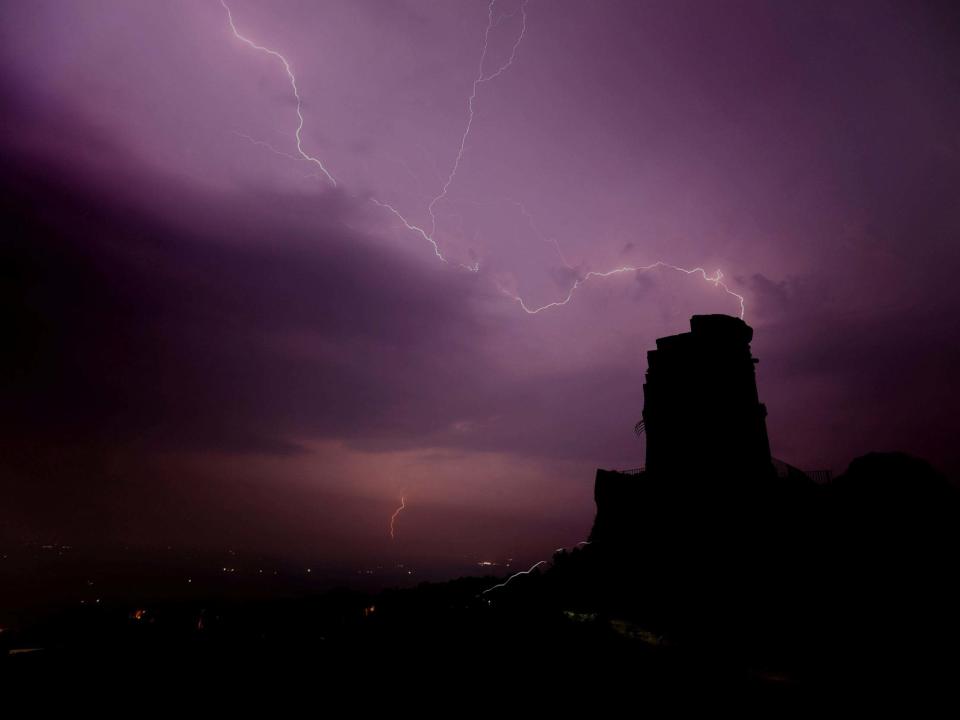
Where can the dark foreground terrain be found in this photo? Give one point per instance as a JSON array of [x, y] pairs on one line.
[[853, 589]]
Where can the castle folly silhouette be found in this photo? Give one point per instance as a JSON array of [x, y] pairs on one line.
[[706, 434], [716, 543], [701, 393], [702, 416]]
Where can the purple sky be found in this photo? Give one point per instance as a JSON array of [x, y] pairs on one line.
[[212, 344]]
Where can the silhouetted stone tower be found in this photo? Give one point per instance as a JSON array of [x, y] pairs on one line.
[[708, 469], [701, 413]]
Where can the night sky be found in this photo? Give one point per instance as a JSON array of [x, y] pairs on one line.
[[209, 344]]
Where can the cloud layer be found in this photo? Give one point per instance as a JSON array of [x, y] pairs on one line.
[[205, 338]]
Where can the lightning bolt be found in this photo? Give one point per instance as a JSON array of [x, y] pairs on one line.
[[393, 518], [522, 572], [293, 84], [265, 144], [411, 227], [481, 78], [529, 219], [533, 226], [716, 279], [531, 569], [471, 111]]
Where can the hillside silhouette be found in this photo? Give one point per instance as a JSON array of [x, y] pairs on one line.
[[718, 547], [714, 564]]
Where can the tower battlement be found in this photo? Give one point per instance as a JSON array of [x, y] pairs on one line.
[[702, 414], [707, 447]]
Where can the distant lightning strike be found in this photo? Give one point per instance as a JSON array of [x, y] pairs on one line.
[[393, 518], [481, 78], [293, 84]]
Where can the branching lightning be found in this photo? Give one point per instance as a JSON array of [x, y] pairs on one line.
[[293, 84], [482, 77], [410, 226], [265, 144], [275, 151], [716, 279], [471, 110], [393, 518], [533, 226]]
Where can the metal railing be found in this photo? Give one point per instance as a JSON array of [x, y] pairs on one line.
[[818, 476]]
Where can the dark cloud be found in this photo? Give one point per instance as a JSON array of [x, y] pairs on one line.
[[239, 338], [171, 292]]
